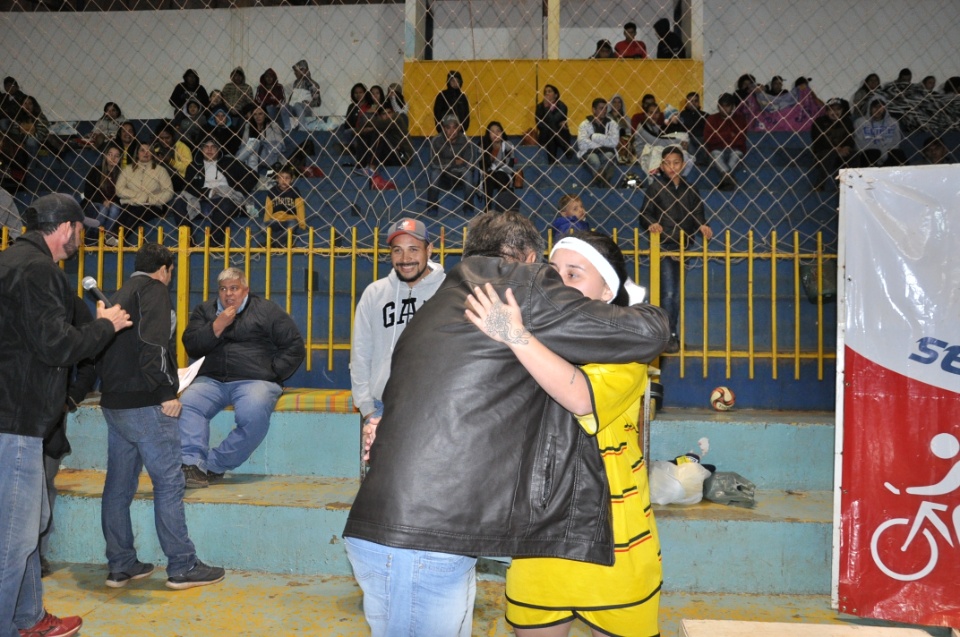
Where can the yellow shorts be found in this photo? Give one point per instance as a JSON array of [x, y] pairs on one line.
[[638, 620]]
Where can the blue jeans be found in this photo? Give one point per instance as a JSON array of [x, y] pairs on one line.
[[138, 438], [23, 512], [253, 402], [107, 215], [409, 593], [601, 164], [670, 290]]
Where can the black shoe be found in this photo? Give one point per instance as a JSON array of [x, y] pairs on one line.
[[137, 571], [195, 477], [214, 478], [673, 346], [45, 568], [199, 575]]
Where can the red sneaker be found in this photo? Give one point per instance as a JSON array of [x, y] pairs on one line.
[[379, 183], [53, 626]]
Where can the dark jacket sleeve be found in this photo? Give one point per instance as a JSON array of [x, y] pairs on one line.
[[584, 331], [650, 212], [198, 338], [240, 176], [290, 348], [155, 326], [85, 376], [56, 342]]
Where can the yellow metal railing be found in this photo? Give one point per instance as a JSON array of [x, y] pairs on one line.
[[213, 258]]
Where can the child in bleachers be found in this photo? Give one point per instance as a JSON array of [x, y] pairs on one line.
[[725, 138], [571, 215], [284, 207]]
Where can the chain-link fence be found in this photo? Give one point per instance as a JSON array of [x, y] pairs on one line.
[[346, 100]]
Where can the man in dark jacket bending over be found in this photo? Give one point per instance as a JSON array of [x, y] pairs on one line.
[[250, 346], [471, 456]]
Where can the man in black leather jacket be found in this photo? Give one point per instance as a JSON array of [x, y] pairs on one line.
[[471, 456]]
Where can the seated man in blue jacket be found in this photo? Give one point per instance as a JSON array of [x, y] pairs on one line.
[[250, 346]]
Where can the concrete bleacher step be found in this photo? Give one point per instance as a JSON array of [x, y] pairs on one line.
[[730, 628], [283, 511]]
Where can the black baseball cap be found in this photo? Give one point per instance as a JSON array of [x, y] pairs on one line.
[[56, 208]]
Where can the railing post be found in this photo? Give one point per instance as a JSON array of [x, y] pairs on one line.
[[183, 290]]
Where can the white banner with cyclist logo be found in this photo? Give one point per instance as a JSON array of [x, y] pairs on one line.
[[898, 397]]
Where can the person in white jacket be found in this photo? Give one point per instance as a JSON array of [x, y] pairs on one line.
[[597, 141], [386, 308]]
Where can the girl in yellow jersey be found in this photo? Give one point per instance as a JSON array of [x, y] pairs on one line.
[[545, 595]]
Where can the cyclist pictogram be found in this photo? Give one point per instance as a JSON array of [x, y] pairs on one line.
[[884, 551]]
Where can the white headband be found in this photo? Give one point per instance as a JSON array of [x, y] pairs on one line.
[[588, 252]]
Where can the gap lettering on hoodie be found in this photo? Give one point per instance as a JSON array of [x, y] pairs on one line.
[[408, 307]]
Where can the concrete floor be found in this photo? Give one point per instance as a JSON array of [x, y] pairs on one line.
[[260, 605]]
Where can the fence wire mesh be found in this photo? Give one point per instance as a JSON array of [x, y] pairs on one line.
[[120, 102]]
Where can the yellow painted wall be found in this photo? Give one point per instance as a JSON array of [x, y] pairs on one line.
[[509, 90]]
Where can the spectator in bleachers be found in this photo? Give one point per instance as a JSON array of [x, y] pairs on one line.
[[878, 136], [220, 126], [746, 87], [304, 97], [571, 215], [452, 100], [216, 102], [630, 46], [604, 51], [393, 147], [377, 97], [929, 83], [832, 141], [725, 138], [669, 42], [597, 140], [262, 144], [617, 111], [105, 129], [553, 133], [867, 90], [144, 189], [498, 169], [28, 132], [898, 87], [655, 130], [284, 207], [935, 152], [9, 215], [189, 88], [100, 192], [355, 119], [126, 141], [10, 102], [803, 92], [397, 102], [672, 205], [270, 94], [773, 97], [174, 154], [192, 126], [237, 93], [452, 160], [220, 184], [692, 120]]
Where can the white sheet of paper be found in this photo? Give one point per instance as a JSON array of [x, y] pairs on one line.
[[187, 374]]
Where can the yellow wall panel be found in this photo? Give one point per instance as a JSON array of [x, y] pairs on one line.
[[508, 90]]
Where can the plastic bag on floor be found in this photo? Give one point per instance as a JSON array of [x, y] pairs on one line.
[[677, 483]]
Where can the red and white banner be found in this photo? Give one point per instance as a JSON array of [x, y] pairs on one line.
[[898, 396]]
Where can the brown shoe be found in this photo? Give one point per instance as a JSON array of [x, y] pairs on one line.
[[195, 477]]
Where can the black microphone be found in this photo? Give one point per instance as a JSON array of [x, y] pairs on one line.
[[90, 285]]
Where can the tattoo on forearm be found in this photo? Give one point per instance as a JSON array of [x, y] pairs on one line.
[[497, 323]]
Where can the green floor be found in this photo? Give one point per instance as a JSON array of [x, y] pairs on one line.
[[262, 605]]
